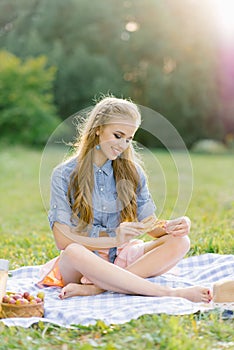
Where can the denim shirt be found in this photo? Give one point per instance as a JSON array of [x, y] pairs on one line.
[[106, 206]]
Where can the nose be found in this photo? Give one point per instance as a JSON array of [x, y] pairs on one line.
[[123, 143]]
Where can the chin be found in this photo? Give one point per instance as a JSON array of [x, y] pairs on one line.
[[111, 156]]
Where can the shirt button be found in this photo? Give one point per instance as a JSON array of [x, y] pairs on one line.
[[54, 206], [99, 171], [101, 188], [104, 208]]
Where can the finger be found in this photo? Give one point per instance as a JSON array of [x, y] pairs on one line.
[[173, 229], [132, 227], [181, 227], [132, 232], [187, 220], [179, 233], [148, 219], [173, 223], [127, 237], [151, 223], [137, 225], [172, 226], [184, 220], [132, 224]]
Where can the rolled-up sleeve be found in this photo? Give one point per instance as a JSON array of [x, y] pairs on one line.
[[60, 209], [145, 203], [95, 230]]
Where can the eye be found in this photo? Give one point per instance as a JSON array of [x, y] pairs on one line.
[[117, 136]]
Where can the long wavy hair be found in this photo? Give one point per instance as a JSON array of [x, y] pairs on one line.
[[81, 183]]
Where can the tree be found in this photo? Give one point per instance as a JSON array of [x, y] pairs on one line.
[[161, 54], [27, 112]]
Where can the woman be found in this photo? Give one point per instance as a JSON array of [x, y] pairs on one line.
[[99, 203]]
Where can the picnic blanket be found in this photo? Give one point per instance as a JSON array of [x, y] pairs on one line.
[[115, 308]]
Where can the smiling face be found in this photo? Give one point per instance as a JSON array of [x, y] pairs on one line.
[[114, 139]]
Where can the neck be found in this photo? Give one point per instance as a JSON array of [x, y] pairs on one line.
[[98, 158]]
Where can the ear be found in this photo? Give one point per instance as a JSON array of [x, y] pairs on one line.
[[97, 132]]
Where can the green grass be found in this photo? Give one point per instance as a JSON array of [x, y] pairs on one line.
[[26, 240]]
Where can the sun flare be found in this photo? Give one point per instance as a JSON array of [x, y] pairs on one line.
[[224, 11]]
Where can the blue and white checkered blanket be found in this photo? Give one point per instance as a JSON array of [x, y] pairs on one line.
[[119, 308]]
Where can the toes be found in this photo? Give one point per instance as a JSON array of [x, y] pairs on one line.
[[62, 294], [206, 296]]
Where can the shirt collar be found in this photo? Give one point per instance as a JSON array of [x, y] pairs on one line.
[[106, 168]]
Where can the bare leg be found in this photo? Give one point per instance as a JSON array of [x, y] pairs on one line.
[[77, 259], [160, 256]]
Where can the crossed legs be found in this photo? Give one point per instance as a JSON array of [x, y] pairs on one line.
[[160, 255]]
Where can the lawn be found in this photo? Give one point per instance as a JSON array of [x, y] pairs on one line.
[[27, 240]]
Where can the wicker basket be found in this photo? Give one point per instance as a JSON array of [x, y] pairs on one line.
[[12, 310]]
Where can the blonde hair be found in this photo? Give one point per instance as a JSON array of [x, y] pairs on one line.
[[124, 167]]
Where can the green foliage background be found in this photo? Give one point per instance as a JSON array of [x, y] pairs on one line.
[[162, 54], [27, 113]]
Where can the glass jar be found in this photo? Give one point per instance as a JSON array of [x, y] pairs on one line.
[[4, 265]]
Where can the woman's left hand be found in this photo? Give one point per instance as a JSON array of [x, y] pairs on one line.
[[178, 227]]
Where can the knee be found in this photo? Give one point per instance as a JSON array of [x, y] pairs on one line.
[[180, 244], [184, 243], [74, 250]]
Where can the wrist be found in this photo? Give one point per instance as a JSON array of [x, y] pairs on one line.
[[116, 241], [113, 236], [166, 227]]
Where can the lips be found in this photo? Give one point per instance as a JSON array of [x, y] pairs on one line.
[[116, 151]]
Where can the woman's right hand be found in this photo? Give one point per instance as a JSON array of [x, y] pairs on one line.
[[127, 231]]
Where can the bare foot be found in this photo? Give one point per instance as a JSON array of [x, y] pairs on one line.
[[196, 294], [75, 289]]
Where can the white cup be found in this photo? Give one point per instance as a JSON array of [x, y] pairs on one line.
[[4, 265]]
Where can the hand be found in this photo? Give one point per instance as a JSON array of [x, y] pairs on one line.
[[178, 227], [128, 230]]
